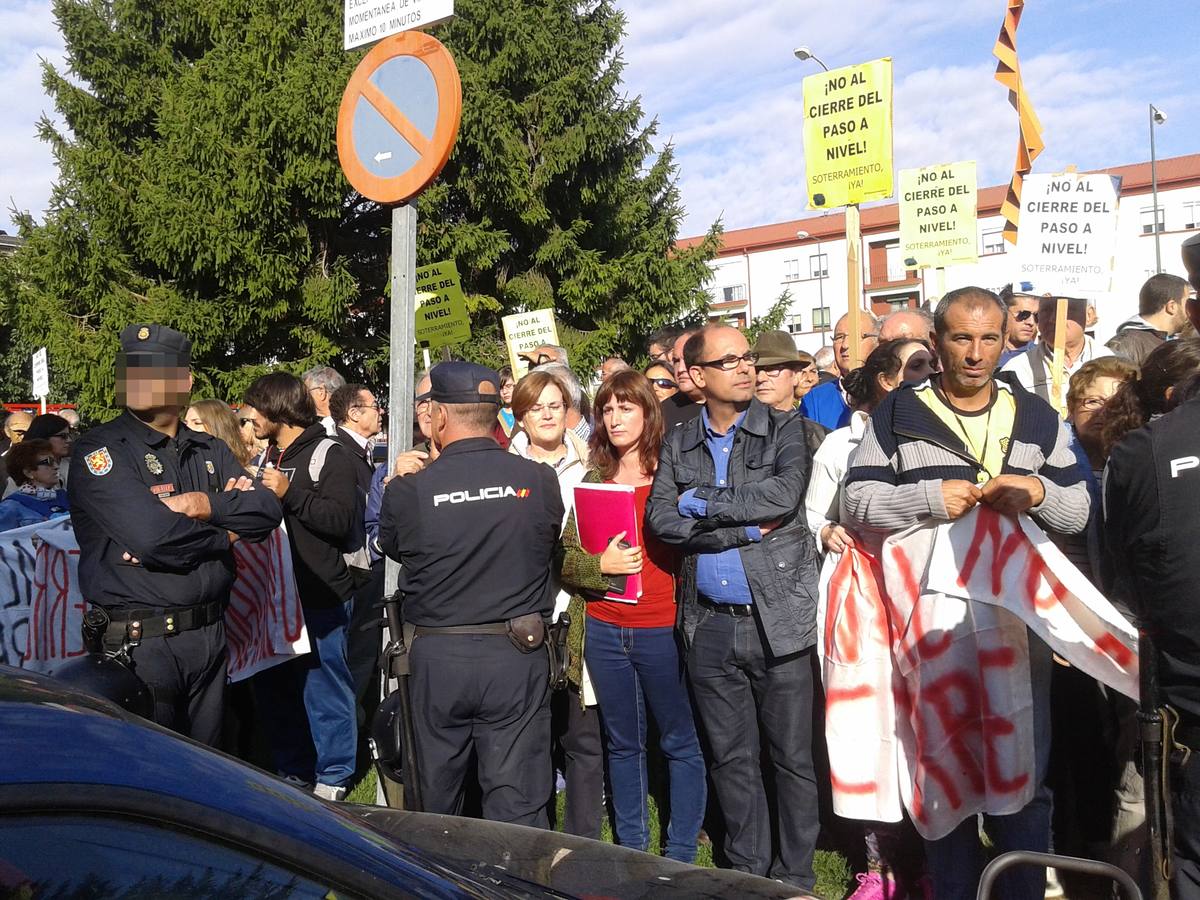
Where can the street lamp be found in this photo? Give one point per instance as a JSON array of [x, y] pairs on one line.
[[803, 53], [803, 236], [1157, 117]]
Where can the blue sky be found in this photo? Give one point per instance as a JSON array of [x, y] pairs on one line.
[[722, 81]]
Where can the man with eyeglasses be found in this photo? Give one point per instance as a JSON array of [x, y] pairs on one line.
[[684, 405], [777, 370], [321, 382], [826, 404], [727, 492], [1022, 330], [359, 421]]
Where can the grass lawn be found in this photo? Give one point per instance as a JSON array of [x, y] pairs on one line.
[[833, 872]]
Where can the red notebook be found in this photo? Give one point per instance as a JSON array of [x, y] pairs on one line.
[[602, 511]]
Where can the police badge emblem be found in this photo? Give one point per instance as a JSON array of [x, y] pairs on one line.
[[153, 464], [143, 333], [99, 462], [208, 465]]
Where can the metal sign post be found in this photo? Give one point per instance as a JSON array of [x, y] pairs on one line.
[[400, 367]]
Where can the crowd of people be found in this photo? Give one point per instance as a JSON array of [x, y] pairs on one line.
[[747, 464]]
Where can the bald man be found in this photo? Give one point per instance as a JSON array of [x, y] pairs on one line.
[[729, 494]]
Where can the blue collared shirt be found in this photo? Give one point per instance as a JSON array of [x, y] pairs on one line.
[[719, 576]]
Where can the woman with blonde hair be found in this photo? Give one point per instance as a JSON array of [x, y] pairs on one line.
[[216, 418]]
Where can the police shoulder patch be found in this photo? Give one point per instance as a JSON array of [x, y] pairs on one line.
[[99, 462]]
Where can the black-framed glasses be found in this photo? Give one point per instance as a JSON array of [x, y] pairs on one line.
[[366, 406], [47, 462], [65, 435], [1024, 314], [542, 359], [665, 383], [730, 362]]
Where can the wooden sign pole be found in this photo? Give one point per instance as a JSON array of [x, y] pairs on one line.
[[1059, 361], [854, 284]]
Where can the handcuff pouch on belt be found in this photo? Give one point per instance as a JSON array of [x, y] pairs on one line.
[[527, 632], [556, 647]]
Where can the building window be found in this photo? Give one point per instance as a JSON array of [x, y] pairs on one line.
[[1191, 214], [1148, 219], [734, 292], [794, 325], [895, 265], [818, 265], [820, 318], [791, 270], [993, 241]]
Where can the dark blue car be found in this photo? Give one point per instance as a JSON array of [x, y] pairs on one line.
[[98, 803]]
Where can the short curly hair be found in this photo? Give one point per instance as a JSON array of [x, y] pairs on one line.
[[24, 455]]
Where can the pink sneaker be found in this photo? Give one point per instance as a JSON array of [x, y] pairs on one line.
[[874, 886]]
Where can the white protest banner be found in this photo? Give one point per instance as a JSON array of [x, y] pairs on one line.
[[926, 666], [41, 375], [264, 624], [57, 608], [40, 625], [1068, 233], [937, 216], [18, 573], [366, 21], [527, 331]]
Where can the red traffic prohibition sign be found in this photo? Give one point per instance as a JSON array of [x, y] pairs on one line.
[[399, 117]]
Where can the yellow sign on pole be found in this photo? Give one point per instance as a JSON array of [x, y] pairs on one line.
[[442, 316], [848, 134], [527, 331], [937, 216]]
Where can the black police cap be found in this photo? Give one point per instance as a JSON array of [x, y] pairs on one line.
[[459, 382], [148, 344]]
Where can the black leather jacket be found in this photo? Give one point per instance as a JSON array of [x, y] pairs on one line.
[[768, 475]]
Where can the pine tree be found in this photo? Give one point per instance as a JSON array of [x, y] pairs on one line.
[[199, 187]]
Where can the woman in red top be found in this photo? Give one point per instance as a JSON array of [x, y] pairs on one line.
[[630, 648]]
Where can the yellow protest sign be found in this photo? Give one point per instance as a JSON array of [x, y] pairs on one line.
[[442, 316], [848, 134], [937, 216], [527, 331]]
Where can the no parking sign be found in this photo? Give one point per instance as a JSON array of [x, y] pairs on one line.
[[399, 117]]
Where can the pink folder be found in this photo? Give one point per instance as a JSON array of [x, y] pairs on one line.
[[602, 511]]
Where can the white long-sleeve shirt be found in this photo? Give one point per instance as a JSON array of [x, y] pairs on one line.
[[823, 499]]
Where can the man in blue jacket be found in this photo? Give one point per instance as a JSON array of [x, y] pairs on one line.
[[826, 403]]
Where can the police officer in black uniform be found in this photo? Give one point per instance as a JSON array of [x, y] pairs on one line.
[[1152, 529], [156, 508], [475, 533]]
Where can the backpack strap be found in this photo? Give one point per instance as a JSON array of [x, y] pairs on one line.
[[316, 462]]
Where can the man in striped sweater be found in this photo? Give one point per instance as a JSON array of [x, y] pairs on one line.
[[935, 450]]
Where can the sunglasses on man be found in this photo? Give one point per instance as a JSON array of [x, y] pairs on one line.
[[1024, 314]]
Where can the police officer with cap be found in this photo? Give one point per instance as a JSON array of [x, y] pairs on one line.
[[475, 533], [156, 508]]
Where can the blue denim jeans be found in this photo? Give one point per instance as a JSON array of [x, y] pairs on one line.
[[632, 668], [956, 861], [307, 705]]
